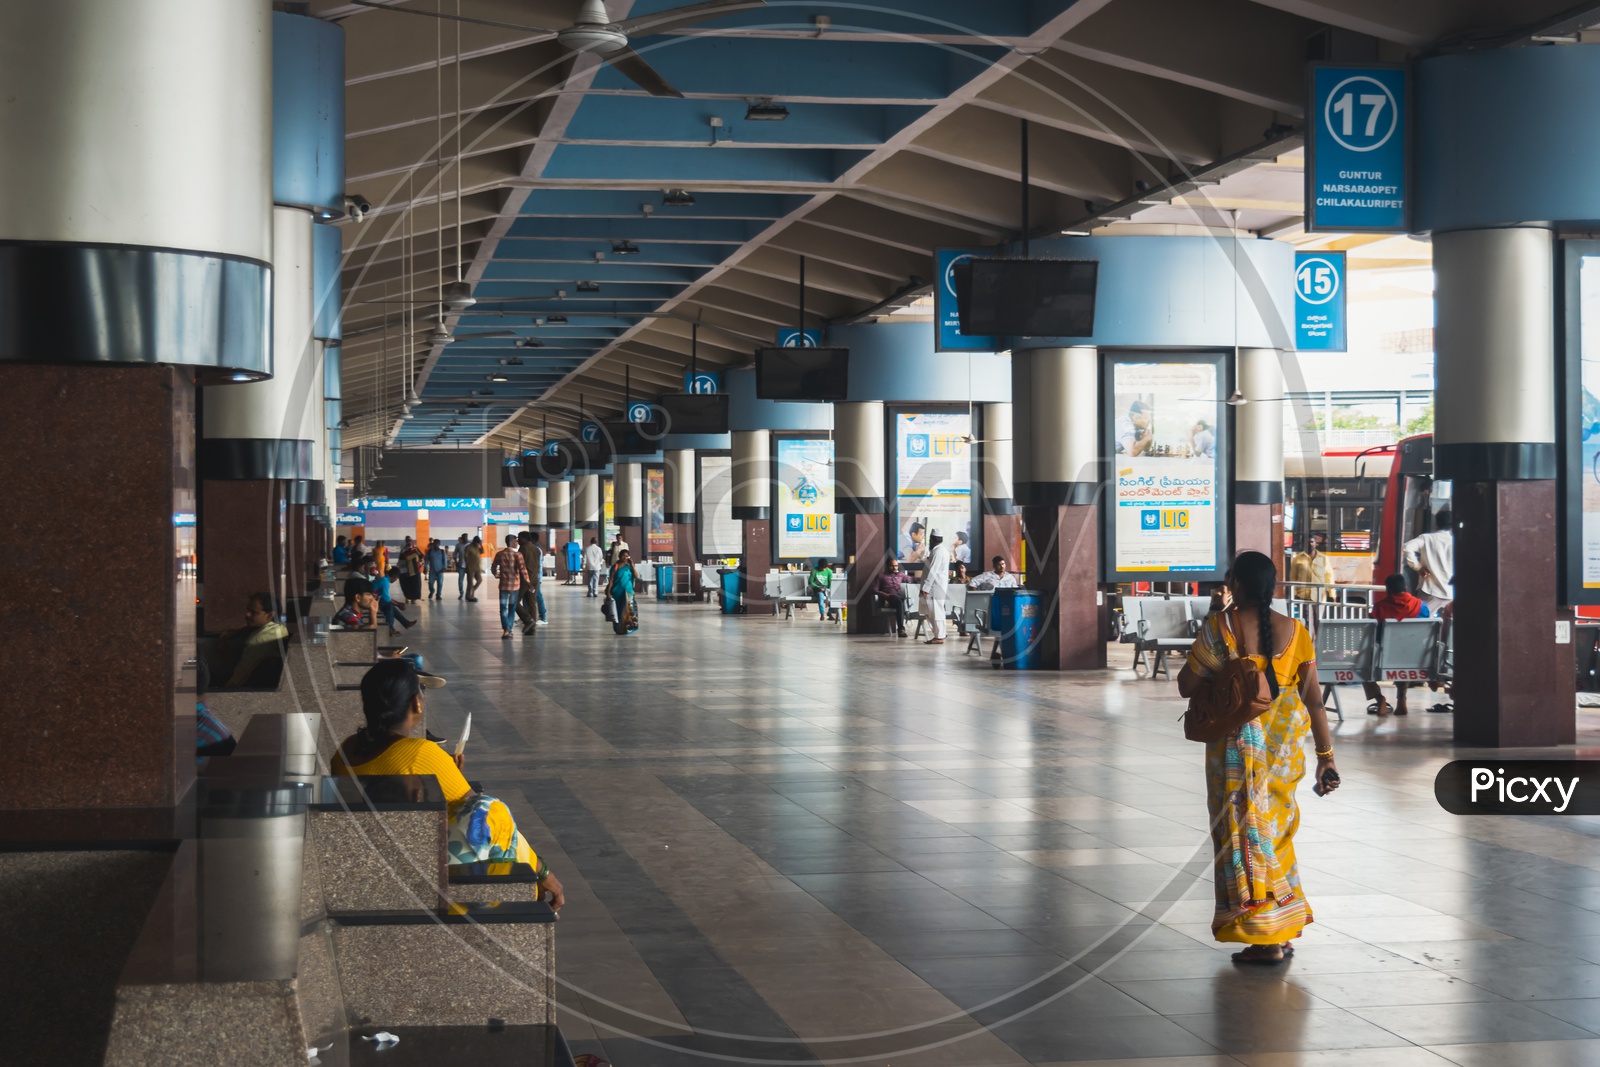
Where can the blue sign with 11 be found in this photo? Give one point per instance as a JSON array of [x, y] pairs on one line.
[[1319, 302], [793, 339], [1358, 149], [703, 382]]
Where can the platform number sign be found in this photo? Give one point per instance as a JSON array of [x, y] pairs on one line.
[[1358, 149], [792, 338], [590, 432], [639, 412], [1319, 301], [702, 382], [946, 316]]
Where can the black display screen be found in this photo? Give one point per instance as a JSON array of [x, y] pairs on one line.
[[694, 413], [817, 374], [1027, 297]]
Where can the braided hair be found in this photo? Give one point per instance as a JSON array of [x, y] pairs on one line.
[[388, 692], [1255, 580]]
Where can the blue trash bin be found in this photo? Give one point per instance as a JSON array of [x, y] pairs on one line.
[[663, 580], [1017, 615], [730, 591]]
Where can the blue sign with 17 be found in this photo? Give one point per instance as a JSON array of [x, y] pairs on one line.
[[1357, 149]]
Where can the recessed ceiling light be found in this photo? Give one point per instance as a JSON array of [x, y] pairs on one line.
[[677, 198], [498, 378], [557, 320], [514, 361], [529, 342], [764, 110], [624, 248]]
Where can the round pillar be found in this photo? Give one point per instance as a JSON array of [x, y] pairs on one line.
[[1055, 419], [558, 505], [586, 502], [680, 492], [1258, 428], [752, 474], [627, 493], [1495, 365], [858, 458], [538, 508], [995, 464]]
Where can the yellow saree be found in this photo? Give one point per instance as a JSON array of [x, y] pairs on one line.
[[1250, 782]]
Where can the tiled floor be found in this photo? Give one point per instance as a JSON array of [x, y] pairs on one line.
[[781, 844]]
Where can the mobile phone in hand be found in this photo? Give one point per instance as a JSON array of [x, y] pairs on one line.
[[1329, 778]]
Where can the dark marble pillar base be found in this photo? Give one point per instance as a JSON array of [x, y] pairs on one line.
[[299, 562], [98, 626], [1063, 563], [866, 547], [684, 553], [242, 537], [756, 560], [1511, 690], [633, 536], [1259, 528], [1002, 536]]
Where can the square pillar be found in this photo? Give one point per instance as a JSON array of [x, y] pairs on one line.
[[1511, 690], [1064, 564], [242, 540], [103, 705], [684, 554], [866, 546], [756, 560], [632, 531], [1259, 528], [1002, 536]]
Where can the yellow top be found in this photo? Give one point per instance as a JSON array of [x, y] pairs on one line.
[[411, 755]]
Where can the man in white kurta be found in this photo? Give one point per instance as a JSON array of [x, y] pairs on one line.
[[936, 586]]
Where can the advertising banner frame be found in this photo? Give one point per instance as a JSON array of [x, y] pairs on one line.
[[777, 511], [658, 534], [1222, 479], [892, 416], [1572, 473], [700, 524]]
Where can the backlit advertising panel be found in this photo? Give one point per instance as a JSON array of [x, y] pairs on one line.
[[933, 491], [807, 526], [1165, 452]]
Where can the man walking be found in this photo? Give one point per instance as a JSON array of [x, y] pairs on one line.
[[531, 608], [936, 586], [473, 554], [436, 564], [594, 565], [513, 574], [461, 566]]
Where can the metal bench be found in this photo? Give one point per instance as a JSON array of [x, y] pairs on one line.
[[1346, 655], [977, 620], [1164, 626]]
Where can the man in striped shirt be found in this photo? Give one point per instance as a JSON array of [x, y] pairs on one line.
[[512, 572]]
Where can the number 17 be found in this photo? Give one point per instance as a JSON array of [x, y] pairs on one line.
[[1345, 108]]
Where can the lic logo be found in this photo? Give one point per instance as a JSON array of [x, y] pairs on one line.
[[917, 445], [638, 412], [794, 523], [1164, 519]]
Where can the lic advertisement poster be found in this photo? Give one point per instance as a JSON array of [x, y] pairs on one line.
[[1164, 432], [1588, 472], [807, 525], [934, 491], [658, 535]]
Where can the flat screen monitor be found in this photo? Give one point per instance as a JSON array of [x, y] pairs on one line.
[[546, 465], [630, 438], [1027, 297], [694, 413], [511, 475], [817, 374]]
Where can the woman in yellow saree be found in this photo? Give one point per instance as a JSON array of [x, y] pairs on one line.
[[1252, 773]]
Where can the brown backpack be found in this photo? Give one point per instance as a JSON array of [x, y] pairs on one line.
[[1239, 692]]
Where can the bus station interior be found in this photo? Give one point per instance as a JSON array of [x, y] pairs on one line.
[[709, 281]]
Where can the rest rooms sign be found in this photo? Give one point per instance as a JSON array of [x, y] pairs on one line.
[[1319, 302], [1358, 149]]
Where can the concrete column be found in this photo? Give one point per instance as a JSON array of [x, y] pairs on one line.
[[752, 506], [1495, 438], [138, 149], [681, 510], [628, 505], [1056, 459], [587, 505], [558, 510], [538, 508], [1258, 455], [860, 470], [1002, 524]]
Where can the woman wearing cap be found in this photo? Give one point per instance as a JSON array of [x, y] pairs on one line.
[[481, 828]]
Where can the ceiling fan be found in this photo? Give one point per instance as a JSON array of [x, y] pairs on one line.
[[594, 32]]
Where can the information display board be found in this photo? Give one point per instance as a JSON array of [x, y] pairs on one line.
[[1580, 425], [947, 335], [807, 526], [1166, 449], [933, 476], [1319, 302], [720, 533], [658, 536], [1358, 137]]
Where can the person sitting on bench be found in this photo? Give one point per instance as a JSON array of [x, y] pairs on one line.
[[481, 829], [252, 655], [996, 577], [1396, 603], [360, 611], [891, 593]]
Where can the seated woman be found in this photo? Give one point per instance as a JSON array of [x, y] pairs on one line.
[[481, 829]]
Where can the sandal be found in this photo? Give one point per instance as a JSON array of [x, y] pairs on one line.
[[1254, 955], [1378, 707]]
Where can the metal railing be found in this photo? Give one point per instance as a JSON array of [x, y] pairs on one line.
[[1313, 603]]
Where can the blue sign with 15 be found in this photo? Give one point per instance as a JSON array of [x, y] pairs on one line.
[[1319, 302]]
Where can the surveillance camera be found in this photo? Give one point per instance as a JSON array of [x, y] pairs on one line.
[[357, 206]]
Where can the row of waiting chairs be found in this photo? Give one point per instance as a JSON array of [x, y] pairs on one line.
[[1158, 625], [1356, 651]]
